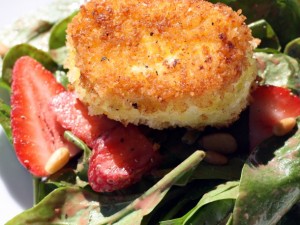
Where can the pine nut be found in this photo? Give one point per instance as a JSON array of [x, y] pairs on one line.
[[215, 158], [219, 142], [284, 126], [57, 160]]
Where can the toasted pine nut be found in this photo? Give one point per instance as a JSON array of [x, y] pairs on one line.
[[284, 126], [57, 160], [3, 49], [215, 158], [220, 142]]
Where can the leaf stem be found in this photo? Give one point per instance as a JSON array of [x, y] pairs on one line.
[[163, 185]]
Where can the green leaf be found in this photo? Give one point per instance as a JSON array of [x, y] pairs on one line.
[[62, 206], [5, 119], [79, 143], [5, 92], [293, 48], [270, 182], [69, 205], [267, 50], [63, 178], [36, 23], [83, 163], [228, 191], [61, 77], [214, 213], [41, 189], [262, 29], [179, 201], [231, 171], [278, 70], [283, 15], [4, 86], [149, 200], [21, 50], [58, 32]]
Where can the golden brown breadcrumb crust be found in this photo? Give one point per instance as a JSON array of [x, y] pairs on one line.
[[150, 56]]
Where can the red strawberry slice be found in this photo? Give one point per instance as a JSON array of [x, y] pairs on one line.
[[73, 115], [36, 133], [120, 158], [121, 155], [270, 105]]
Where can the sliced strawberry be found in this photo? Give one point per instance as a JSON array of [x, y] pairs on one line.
[[121, 155], [120, 158], [270, 105], [73, 115], [36, 134]]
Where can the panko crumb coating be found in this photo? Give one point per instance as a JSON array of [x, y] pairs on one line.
[[180, 63]]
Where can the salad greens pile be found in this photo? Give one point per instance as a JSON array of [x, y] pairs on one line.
[[260, 188]]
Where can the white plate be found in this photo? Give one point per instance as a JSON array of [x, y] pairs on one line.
[[15, 182]]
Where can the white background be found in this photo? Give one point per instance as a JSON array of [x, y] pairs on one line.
[[15, 183], [11, 9]]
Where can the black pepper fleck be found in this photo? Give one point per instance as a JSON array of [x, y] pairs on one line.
[[222, 36], [135, 105], [104, 58]]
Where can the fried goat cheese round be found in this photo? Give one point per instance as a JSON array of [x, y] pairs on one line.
[[161, 63]]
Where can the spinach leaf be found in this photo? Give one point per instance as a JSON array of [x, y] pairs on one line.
[[73, 174], [83, 163], [57, 37], [224, 192], [270, 181], [69, 205], [283, 15], [61, 77], [263, 30], [293, 48], [214, 213], [57, 40], [179, 201], [278, 70], [230, 171], [5, 119], [34, 24], [134, 213], [41, 189], [21, 50], [5, 92]]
